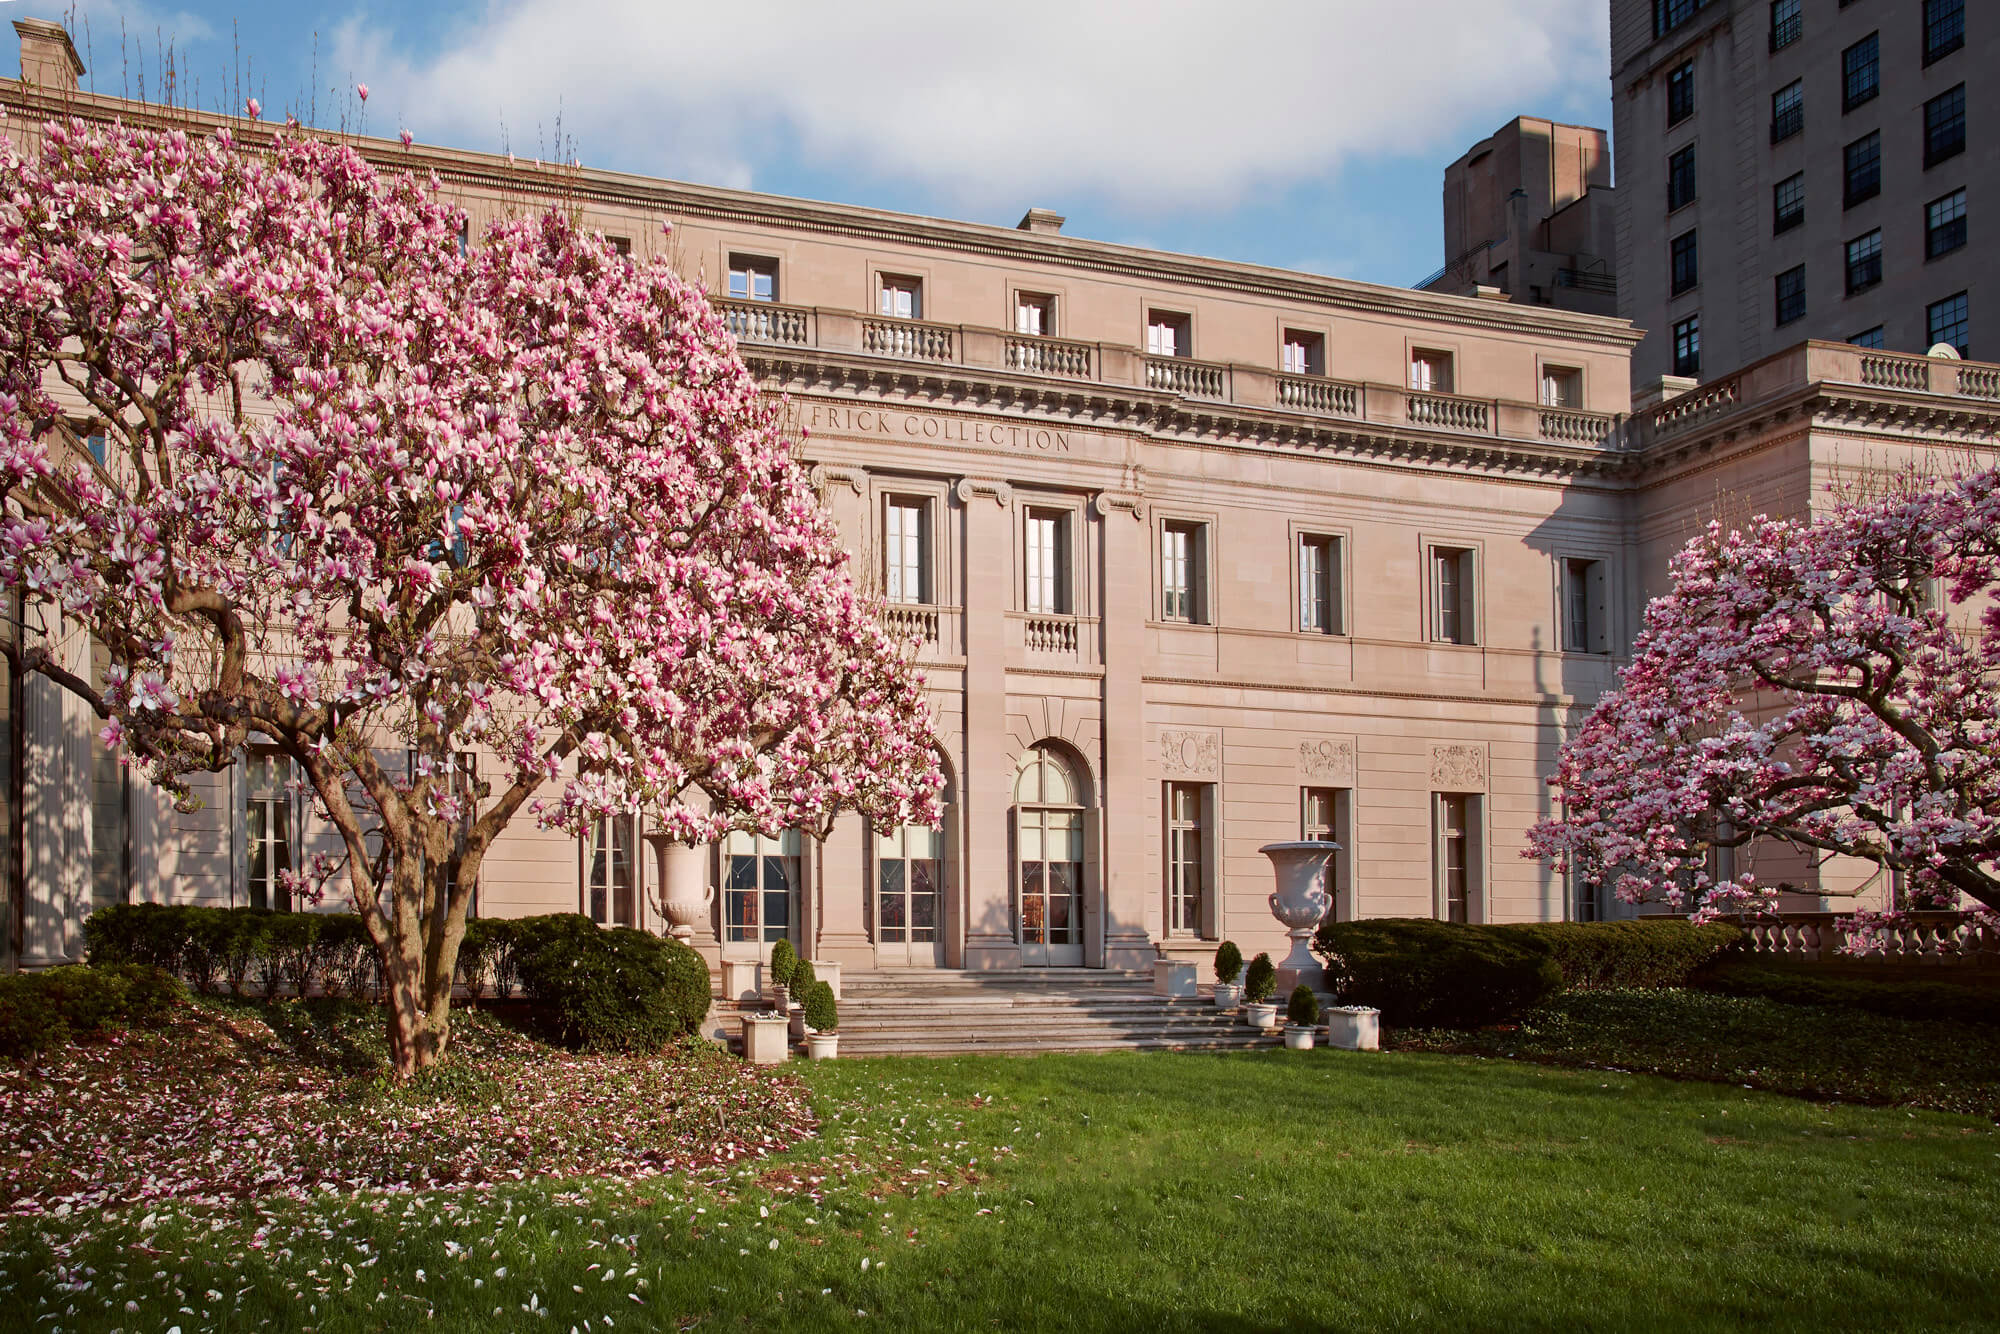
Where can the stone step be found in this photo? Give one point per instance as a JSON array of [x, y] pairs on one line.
[[1027, 1046], [1026, 1020]]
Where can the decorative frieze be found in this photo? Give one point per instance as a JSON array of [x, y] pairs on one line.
[[1458, 768], [1327, 761], [1190, 753]]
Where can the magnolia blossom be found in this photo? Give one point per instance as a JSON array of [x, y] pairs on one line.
[[523, 501], [1830, 685]]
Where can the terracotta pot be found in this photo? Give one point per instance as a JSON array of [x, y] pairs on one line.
[[823, 1046], [1262, 1015], [1299, 1037], [1228, 995]]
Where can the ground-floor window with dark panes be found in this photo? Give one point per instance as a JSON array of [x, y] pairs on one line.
[[268, 826], [611, 871], [909, 881], [760, 885]]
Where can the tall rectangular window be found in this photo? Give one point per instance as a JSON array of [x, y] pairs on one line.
[[1319, 586], [1302, 353], [1864, 262], [1686, 264], [1046, 551], [1680, 93], [610, 871], [1687, 346], [1453, 607], [901, 298], [268, 833], [1867, 338], [1562, 387], [1168, 334], [1944, 126], [1861, 169], [760, 885], [1034, 314], [1680, 178], [1788, 111], [1788, 203], [1186, 877], [905, 548], [1860, 72], [1183, 570], [1944, 224], [1789, 289], [753, 278], [1585, 607], [1455, 855], [1430, 372], [1325, 816], [1786, 23], [1944, 28], [1947, 321]]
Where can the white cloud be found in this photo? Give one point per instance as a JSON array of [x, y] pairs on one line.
[[1171, 103]]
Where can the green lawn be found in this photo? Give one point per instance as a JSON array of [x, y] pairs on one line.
[[1246, 1191]]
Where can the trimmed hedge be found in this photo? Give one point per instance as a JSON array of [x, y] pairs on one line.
[[784, 959], [1897, 999], [46, 1009], [608, 988], [1645, 954], [213, 948], [1424, 973]]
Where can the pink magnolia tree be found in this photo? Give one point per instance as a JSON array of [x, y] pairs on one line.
[[380, 501], [1831, 684]]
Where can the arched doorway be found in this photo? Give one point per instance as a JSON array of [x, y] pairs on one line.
[[1050, 853]]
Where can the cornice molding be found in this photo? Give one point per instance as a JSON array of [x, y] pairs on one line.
[[971, 488]]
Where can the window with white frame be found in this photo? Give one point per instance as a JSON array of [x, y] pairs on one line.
[[1319, 585], [1183, 572], [1325, 816], [753, 278], [1430, 371], [1034, 314], [611, 871], [1562, 387], [1168, 334], [901, 298], [1585, 607], [760, 885], [1302, 353], [1045, 551], [905, 549], [269, 836], [1187, 879], [909, 871], [1455, 855], [1452, 574]]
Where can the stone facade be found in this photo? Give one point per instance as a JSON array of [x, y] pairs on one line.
[[1196, 556]]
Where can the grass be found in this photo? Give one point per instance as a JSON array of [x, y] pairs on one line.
[[1833, 1053], [1232, 1191]]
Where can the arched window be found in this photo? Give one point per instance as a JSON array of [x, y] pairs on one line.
[[1049, 857]]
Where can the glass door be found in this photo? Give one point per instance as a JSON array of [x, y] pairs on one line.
[[760, 878], [1051, 887], [909, 893]]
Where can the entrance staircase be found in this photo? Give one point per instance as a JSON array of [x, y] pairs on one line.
[[940, 1012]]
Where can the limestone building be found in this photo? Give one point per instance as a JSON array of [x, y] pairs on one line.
[[1196, 556], [1794, 169]]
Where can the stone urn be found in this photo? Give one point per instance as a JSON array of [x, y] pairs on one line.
[[685, 893], [1300, 903]]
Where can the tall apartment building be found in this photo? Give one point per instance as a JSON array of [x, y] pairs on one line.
[[1793, 169], [1529, 213]]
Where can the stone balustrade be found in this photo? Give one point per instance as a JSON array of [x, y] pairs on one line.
[[767, 322], [1313, 393], [1194, 379], [912, 340], [1451, 412], [1049, 634], [1923, 937], [1050, 356]]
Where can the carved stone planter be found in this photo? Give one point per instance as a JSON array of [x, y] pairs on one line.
[[741, 979], [1299, 1037], [1354, 1028], [765, 1039], [1299, 903], [1174, 979], [1261, 1015]]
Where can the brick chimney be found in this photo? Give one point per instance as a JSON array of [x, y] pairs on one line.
[[48, 57], [1036, 220]]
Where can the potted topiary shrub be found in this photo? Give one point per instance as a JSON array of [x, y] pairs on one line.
[[778, 975], [1228, 975], [804, 978], [1260, 979], [822, 1022], [1301, 1016]]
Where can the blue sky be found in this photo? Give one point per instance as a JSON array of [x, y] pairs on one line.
[[1303, 135]]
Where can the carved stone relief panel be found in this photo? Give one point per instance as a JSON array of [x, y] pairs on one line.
[[1327, 761], [1190, 753], [1458, 768]]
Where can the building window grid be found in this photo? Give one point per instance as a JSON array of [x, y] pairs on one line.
[[1680, 178], [1944, 224], [1302, 353], [1319, 585], [1670, 14], [761, 880], [1454, 856], [1944, 28], [1168, 335], [1452, 603], [1788, 203], [1787, 23], [1686, 263], [909, 872], [1789, 292], [1788, 110], [610, 886], [1944, 126], [1582, 585], [1864, 262], [1430, 372], [268, 833], [1687, 346], [1046, 562], [1185, 878], [1861, 163], [1680, 93], [1947, 321], [1860, 72]]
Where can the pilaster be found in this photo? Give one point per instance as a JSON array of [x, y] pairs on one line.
[[1130, 908], [989, 772]]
